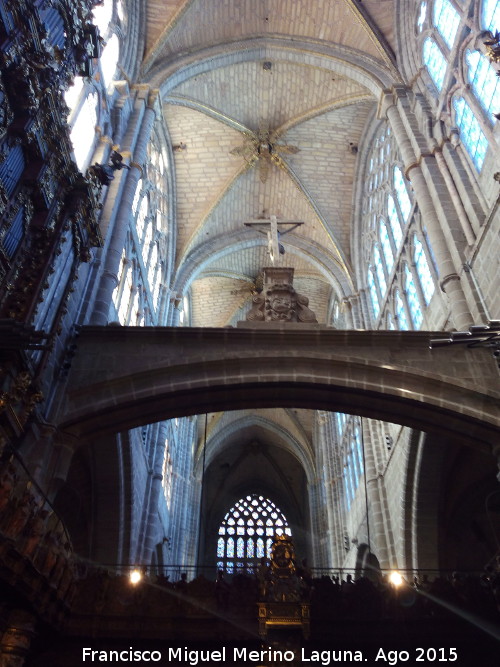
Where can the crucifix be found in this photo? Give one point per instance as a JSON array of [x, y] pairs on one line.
[[274, 229]]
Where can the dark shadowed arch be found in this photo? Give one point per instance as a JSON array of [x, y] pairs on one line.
[[125, 377]]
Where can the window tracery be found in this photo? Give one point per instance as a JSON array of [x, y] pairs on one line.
[[446, 19], [84, 128], [435, 62], [386, 246], [103, 13], [82, 98], [373, 292], [471, 134], [473, 86], [167, 475], [412, 298], [247, 533], [397, 294], [490, 19], [109, 59], [351, 450], [484, 82], [423, 270], [401, 312], [137, 295], [422, 16]]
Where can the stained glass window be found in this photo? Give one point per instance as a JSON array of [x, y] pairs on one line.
[[401, 313], [341, 421], [352, 457], [390, 219], [102, 15], [422, 16], [137, 196], [141, 216], [249, 515], [373, 293], [167, 478], [394, 221], [386, 246], [146, 244], [230, 547], [359, 448], [446, 19], [380, 270], [348, 484], [221, 545], [152, 266], [72, 95], [240, 547], [471, 134], [484, 81], [491, 15], [413, 300], [83, 131], [402, 193], [423, 270], [435, 62], [250, 548], [109, 59], [260, 547], [481, 80]]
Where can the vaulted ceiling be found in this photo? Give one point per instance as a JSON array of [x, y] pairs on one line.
[[266, 103]]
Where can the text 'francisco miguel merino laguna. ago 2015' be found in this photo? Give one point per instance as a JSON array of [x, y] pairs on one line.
[[193, 657]]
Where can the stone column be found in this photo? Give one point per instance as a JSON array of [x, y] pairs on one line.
[[375, 516], [326, 445], [155, 464], [135, 141], [352, 309], [448, 267], [16, 640]]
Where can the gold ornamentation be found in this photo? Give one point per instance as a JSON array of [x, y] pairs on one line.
[[262, 147], [493, 47]]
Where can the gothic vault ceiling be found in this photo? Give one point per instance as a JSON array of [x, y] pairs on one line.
[[266, 103]]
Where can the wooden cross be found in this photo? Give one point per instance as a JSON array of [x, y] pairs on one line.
[[274, 229]]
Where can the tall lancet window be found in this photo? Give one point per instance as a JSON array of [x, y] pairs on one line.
[[454, 56], [136, 298], [247, 533], [393, 238], [86, 98]]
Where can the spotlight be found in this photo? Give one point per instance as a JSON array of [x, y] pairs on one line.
[[135, 576], [396, 579]]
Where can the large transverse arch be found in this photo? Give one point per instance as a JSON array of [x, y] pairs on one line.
[[123, 377]]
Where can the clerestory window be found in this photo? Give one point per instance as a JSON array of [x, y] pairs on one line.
[[83, 97], [397, 295], [473, 84]]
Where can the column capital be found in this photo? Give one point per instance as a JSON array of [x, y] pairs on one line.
[[390, 97], [350, 299]]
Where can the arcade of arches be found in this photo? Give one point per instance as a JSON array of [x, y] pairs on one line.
[[229, 232]]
